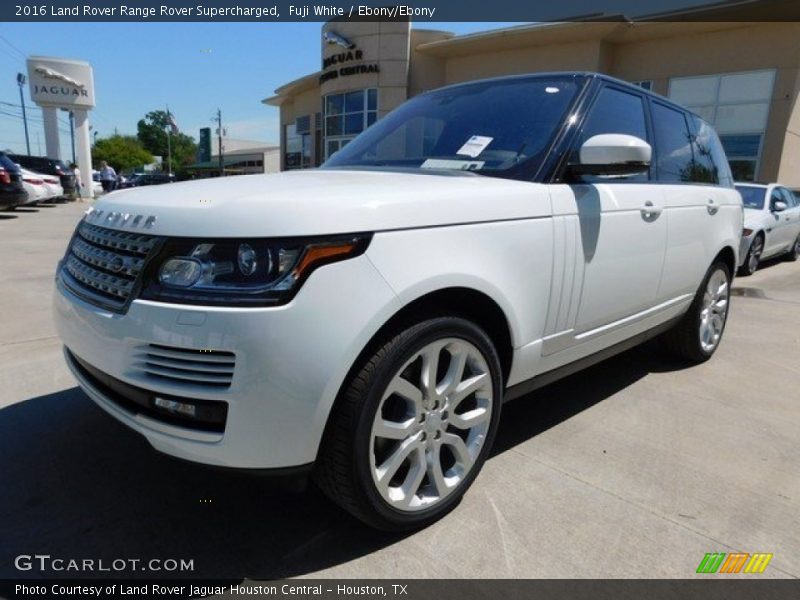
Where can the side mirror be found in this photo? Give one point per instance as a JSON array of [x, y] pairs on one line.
[[779, 206], [613, 154]]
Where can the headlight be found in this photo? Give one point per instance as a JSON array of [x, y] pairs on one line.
[[746, 232], [253, 272]]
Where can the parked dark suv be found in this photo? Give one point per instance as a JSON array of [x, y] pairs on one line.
[[11, 191], [157, 178], [48, 166]]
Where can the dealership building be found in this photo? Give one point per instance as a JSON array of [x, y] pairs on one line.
[[742, 77]]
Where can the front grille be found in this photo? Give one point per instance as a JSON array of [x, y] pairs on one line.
[[103, 265], [186, 365]]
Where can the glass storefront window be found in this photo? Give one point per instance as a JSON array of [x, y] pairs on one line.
[[346, 115], [737, 105], [298, 149], [743, 152]]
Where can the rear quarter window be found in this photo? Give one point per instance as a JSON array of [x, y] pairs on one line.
[[674, 153], [711, 154]]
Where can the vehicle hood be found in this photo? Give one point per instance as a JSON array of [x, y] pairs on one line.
[[318, 202]]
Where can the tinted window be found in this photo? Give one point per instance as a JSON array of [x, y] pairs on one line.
[[752, 197], [498, 128], [674, 156], [774, 197], [788, 197], [616, 111], [710, 155]]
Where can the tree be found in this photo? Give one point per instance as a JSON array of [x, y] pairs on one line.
[[152, 133], [120, 151]]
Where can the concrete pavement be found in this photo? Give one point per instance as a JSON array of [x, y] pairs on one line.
[[634, 468]]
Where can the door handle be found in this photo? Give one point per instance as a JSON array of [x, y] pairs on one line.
[[650, 212], [712, 207]]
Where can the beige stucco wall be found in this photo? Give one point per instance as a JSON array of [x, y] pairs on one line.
[[425, 72], [572, 56]]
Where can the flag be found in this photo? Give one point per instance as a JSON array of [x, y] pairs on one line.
[[171, 122]]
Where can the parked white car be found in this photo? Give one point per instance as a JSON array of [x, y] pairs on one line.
[[771, 224], [367, 319], [53, 186], [35, 187]]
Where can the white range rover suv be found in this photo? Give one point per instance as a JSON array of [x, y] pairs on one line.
[[366, 320]]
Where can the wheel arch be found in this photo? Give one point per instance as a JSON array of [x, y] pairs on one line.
[[466, 302], [460, 301], [728, 255]]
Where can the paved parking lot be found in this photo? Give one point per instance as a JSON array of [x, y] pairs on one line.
[[634, 468]]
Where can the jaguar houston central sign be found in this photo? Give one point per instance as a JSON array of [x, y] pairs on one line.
[[331, 65]]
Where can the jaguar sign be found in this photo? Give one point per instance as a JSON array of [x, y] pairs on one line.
[[60, 82]]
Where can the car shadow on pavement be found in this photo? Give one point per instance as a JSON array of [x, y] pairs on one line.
[[77, 484], [534, 413]]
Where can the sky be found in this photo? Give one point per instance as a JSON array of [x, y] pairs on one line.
[[194, 68]]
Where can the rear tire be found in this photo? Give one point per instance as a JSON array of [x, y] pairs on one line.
[[412, 427], [697, 335]]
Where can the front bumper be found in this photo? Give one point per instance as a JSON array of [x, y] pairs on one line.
[[290, 362]]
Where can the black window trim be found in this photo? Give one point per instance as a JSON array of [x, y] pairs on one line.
[[585, 106], [555, 166]]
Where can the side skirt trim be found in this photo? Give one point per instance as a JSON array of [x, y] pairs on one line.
[[539, 381]]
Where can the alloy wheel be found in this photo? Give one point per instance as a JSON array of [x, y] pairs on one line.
[[754, 256], [431, 424], [714, 310]]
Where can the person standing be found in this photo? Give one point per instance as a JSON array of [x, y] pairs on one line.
[[77, 173], [108, 176]]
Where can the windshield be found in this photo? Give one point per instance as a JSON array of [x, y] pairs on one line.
[[752, 197], [490, 127]]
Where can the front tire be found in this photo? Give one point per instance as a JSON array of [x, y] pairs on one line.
[[753, 257], [794, 253], [697, 335], [413, 426]]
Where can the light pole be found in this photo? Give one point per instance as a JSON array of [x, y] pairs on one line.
[[21, 79], [71, 130], [72, 133]]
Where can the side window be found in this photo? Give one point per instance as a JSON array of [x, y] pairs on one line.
[[674, 156], [775, 196], [788, 197], [710, 155], [616, 111]]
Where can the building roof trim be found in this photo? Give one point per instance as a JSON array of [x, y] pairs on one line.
[[302, 84]]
